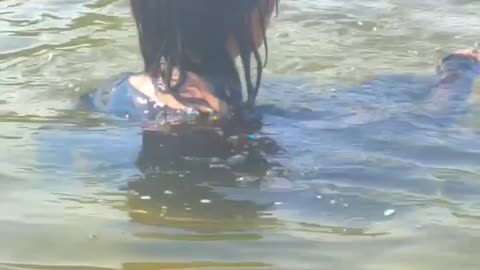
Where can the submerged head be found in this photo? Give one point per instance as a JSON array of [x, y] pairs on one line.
[[205, 37]]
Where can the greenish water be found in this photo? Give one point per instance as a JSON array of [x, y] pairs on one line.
[[72, 197]]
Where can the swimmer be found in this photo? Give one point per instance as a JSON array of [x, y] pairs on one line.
[[189, 97], [189, 48], [456, 76]]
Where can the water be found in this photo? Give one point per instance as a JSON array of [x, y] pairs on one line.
[[371, 185]]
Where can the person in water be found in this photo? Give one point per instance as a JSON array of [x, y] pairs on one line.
[[189, 48], [456, 76], [189, 96]]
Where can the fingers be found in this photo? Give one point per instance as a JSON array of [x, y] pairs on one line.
[[191, 92], [223, 108], [194, 103], [202, 108], [216, 104], [197, 88], [170, 101], [204, 102]]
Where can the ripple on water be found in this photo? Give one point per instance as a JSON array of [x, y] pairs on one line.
[[365, 176]]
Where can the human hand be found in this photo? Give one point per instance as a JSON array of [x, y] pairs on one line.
[[200, 96], [195, 93]]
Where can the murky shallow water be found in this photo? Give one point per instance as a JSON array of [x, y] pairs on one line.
[[72, 197]]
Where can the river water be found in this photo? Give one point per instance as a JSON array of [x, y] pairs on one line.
[[371, 186]]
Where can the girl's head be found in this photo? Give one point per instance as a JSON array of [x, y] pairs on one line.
[[205, 37]]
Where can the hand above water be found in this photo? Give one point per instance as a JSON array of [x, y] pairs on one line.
[[195, 89], [198, 91]]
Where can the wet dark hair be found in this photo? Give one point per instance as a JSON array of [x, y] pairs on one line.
[[191, 35]]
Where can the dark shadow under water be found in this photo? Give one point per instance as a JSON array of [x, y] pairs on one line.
[[329, 163], [339, 176]]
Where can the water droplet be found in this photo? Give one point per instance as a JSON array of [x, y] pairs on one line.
[[375, 29], [332, 202], [168, 192], [389, 212], [142, 100], [70, 85], [146, 198], [188, 209], [215, 160], [50, 57], [206, 201], [319, 197], [345, 204], [278, 203], [247, 179], [217, 166], [359, 22], [138, 211], [181, 175], [158, 105]]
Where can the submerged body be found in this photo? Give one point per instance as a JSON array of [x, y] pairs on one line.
[[181, 138], [453, 87], [360, 137]]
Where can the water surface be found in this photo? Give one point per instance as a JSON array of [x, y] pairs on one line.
[[345, 78]]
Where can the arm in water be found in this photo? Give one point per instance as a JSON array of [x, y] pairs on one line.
[[457, 74]]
